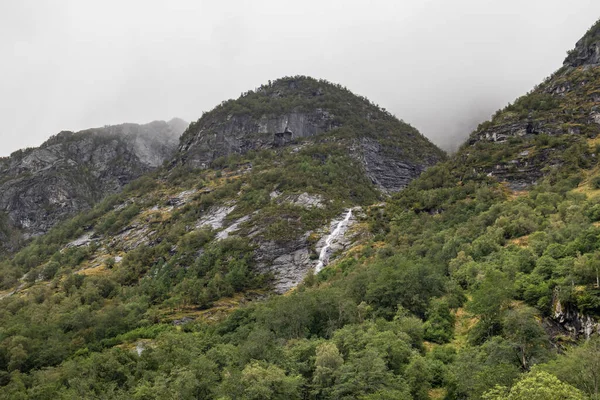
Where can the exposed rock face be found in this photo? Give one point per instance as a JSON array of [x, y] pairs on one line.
[[572, 321], [526, 128], [386, 169], [289, 263], [240, 133], [292, 261], [587, 50], [71, 171], [215, 217]]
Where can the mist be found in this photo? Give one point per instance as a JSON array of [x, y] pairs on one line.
[[441, 66]]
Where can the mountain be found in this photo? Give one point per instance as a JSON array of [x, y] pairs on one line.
[[240, 213], [238, 176], [552, 125], [70, 172], [304, 150], [393, 153], [477, 280]]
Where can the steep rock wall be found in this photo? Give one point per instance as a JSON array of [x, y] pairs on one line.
[[241, 133]]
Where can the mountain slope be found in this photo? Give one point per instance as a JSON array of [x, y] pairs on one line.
[[392, 152], [511, 222], [457, 287], [555, 124], [308, 149], [71, 172], [214, 229], [281, 196]]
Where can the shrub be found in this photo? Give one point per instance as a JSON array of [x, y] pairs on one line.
[[595, 182]]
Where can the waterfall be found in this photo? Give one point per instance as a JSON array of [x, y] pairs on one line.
[[139, 348], [337, 232]]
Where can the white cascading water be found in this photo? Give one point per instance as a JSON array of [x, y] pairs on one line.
[[337, 232]]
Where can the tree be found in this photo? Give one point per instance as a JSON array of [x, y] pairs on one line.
[[580, 367], [419, 376], [401, 281], [478, 369], [267, 381], [526, 334], [489, 300], [365, 373], [439, 326], [15, 390], [587, 269], [537, 385], [327, 362]]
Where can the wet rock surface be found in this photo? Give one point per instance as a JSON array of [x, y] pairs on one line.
[[290, 262], [387, 168]]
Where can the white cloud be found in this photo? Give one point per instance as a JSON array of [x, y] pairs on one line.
[[441, 65]]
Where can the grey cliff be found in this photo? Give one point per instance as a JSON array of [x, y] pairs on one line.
[[70, 172]]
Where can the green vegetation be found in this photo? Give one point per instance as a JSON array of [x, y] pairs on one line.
[[453, 249], [80, 301], [451, 294], [536, 386]]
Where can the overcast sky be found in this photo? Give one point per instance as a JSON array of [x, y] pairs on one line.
[[441, 65]]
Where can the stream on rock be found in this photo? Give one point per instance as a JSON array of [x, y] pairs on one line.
[[339, 230]]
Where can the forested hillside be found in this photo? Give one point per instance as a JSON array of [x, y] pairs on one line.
[[188, 245], [479, 280]]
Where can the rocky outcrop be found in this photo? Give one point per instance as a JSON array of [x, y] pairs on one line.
[[42, 186], [387, 168], [525, 169], [576, 324], [291, 262], [587, 50], [288, 263], [218, 137], [551, 122], [502, 132]]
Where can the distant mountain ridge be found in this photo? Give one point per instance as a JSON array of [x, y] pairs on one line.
[[72, 171]]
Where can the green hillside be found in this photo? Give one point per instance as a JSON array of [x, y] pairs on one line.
[[184, 247], [479, 280]]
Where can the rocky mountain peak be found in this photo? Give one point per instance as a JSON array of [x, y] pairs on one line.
[[587, 49], [292, 109]]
